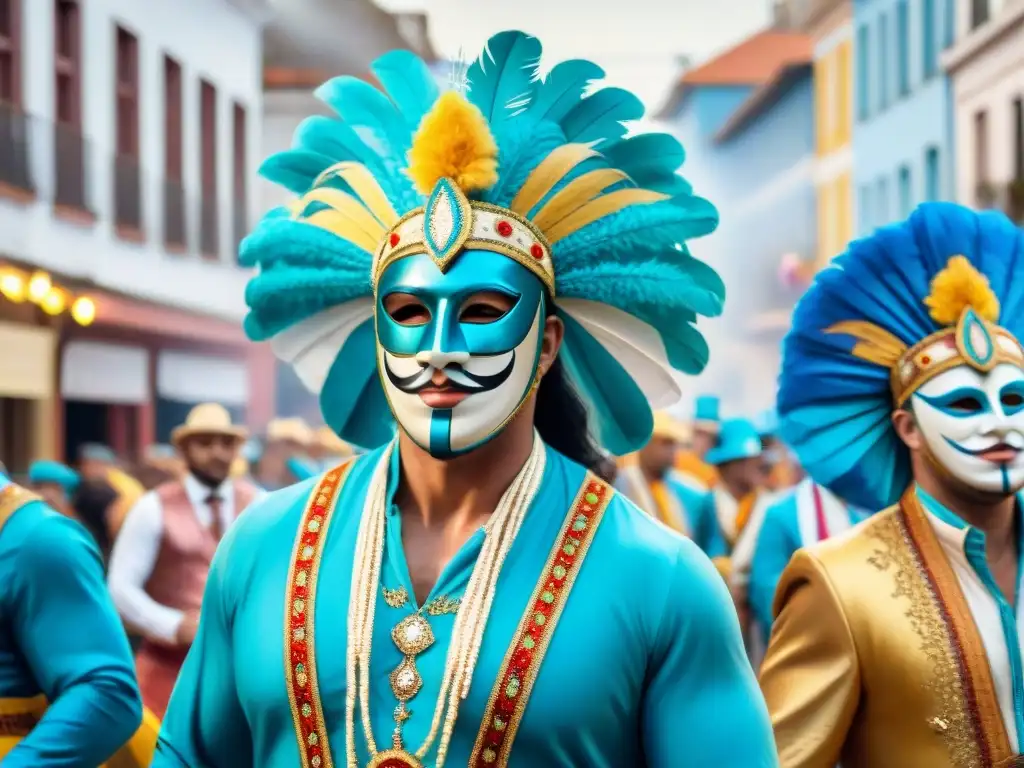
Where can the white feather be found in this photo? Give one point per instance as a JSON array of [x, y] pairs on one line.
[[312, 346], [636, 345]]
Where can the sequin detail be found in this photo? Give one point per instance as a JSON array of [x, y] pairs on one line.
[[898, 555], [300, 656], [514, 684]]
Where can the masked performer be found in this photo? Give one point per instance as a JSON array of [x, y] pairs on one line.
[[668, 495], [161, 558], [899, 644], [67, 684], [504, 605]]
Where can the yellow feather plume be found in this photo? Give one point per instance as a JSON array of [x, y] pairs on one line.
[[957, 287], [454, 142]]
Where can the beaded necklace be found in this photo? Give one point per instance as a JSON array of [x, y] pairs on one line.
[[470, 621]]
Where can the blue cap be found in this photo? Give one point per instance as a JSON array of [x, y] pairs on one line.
[[737, 439], [706, 410], [53, 472]]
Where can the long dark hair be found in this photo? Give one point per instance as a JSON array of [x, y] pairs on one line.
[[561, 420]]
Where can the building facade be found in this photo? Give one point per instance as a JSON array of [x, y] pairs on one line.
[[127, 138], [986, 66], [747, 121], [829, 24], [298, 60], [902, 136]]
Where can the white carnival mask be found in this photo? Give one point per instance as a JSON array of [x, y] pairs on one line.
[[973, 425]]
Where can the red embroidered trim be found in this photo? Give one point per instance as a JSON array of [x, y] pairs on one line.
[[522, 662], [300, 655]]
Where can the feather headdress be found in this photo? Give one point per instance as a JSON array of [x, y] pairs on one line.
[[914, 299], [532, 168]]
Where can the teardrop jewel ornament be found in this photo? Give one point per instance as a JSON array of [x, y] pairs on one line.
[[447, 222], [974, 341]]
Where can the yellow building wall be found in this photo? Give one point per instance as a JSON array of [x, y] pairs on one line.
[[833, 91]]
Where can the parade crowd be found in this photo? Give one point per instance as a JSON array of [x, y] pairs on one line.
[[530, 562]]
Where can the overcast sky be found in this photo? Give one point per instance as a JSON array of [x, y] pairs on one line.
[[637, 42]]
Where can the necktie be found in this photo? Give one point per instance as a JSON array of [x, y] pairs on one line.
[[213, 501]]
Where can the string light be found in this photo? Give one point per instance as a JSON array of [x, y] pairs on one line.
[[83, 310], [54, 302], [39, 286], [12, 286]]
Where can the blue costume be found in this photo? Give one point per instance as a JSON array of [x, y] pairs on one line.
[[680, 502], [68, 695], [903, 369], [436, 237], [803, 516]]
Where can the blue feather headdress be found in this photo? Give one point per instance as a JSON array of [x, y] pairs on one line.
[[914, 299], [602, 219]]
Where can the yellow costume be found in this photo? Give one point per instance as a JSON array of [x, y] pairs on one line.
[[894, 644], [874, 658]]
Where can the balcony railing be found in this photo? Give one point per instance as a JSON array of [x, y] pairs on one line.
[[171, 207], [209, 225], [175, 232], [70, 189], [127, 193], [15, 148]]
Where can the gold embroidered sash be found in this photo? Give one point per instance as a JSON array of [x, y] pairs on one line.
[[980, 720], [522, 662], [12, 498], [525, 655]]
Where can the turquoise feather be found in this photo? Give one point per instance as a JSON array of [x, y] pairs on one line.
[[295, 169], [600, 116], [646, 154], [333, 139], [617, 404], [409, 83], [505, 73], [562, 89], [671, 184], [521, 151], [362, 106]]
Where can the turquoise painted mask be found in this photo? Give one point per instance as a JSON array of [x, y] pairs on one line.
[[456, 369]]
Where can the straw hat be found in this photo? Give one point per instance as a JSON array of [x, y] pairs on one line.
[[293, 430], [667, 426], [331, 444], [207, 419]]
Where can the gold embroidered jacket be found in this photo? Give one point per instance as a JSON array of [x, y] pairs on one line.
[[874, 659]]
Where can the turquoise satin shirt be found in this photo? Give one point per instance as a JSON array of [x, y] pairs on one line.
[[60, 636], [645, 667]]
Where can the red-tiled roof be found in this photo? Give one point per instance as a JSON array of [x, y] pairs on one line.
[[754, 62]]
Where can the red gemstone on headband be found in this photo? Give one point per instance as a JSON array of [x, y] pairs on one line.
[[926, 360], [504, 228], [536, 251], [394, 239]]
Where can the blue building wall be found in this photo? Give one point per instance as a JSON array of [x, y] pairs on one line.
[[760, 178], [902, 134]]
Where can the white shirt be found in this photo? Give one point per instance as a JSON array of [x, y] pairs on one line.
[[985, 612], [137, 547]]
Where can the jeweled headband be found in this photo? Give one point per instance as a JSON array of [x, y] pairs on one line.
[[961, 300]]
